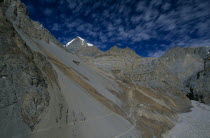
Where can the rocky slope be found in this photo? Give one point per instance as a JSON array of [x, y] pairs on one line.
[[47, 91], [194, 124], [180, 72], [185, 69], [141, 78]]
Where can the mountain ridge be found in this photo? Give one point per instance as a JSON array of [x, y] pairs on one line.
[[80, 47], [180, 64]]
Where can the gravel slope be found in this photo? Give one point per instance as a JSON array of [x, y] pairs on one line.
[[194, 124]]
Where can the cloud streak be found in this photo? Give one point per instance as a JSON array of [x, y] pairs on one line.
[[145, 26]]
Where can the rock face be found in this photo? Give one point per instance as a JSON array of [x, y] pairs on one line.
[[184, 62], [23, 86], [115, 59], [18, 14], [190, 65], [198, 84], [25, 79]]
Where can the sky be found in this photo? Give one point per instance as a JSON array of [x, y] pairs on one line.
[[149, 27]]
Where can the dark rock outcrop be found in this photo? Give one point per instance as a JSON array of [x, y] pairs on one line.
[[23, 84], [197, 86], [25, 79]]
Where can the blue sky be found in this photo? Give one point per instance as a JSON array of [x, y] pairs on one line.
[[149, 27]]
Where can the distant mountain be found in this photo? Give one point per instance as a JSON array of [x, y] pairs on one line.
[[77, 43], [116, 51], [81, 48]]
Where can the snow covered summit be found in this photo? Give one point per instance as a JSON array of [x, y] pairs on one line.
[[78, 41], [80, 47]]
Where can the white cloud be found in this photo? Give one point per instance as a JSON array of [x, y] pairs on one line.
[[133, 23]]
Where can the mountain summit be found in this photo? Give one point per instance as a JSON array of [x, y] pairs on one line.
[[81, 48], [78, 41]]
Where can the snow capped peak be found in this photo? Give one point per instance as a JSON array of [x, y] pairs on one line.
[[89, 44], [75, 39], [82, 42], [81, 38], [70, 42]]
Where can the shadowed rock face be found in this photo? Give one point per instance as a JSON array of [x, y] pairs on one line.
[[18, 14], [25, 79], [190, 65], [184, 62], [23, 93], [197, 85]]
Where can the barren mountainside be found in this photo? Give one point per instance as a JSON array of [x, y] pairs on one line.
[[47, 90], [176, 68]]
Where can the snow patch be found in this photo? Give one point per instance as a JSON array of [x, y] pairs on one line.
[[208, 49], [89, 44], [81, 38], [70, 42]]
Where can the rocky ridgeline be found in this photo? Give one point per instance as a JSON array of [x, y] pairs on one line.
[[17, 13], [114, 60], [176, 69]]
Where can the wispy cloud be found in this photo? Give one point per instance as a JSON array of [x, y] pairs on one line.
[[48, 11], [55, 27], [152, 26]]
